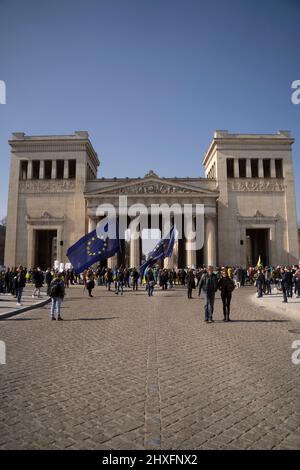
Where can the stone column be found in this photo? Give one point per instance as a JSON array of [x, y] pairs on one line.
[[134, 252], [53, 170], [112, 262], [169, 262], [29, 170], [210, 241], [66, 169], [273, 169], [30, 247], [42, 170], [260, 168], [172, 261], [175, 254], [59, 248], [92, 224], [248, 168], [190, 253], [134, 255], [236, 168]]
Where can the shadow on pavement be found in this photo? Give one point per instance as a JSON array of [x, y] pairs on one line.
[[90, 319]]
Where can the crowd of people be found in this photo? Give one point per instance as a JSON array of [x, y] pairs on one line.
[[285, 279]]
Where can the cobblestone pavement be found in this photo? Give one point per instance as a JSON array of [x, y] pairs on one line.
[[8, 306], [132, 372]]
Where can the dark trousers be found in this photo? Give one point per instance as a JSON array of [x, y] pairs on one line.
[[297, 287], [268, 287], [150, 288], [284, 292], [189, 292], [226, 299], [259, 289], [19, 292]]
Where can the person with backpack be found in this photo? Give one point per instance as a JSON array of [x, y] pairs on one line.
[[226, 286], [209, 285], [57, 293]]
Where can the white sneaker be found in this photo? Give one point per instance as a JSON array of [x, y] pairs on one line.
[[33, 296], [19, 305]]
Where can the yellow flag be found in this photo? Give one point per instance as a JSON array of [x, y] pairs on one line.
[[259, 262]]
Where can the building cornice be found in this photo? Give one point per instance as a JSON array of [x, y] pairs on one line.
[[225, 141], [78, 142]]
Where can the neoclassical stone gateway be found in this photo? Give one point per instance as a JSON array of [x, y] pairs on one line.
[[248, 195]]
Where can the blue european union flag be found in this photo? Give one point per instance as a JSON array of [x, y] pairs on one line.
[[91, 249], [162, 250]]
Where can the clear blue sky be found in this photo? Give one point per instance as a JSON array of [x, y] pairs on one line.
[[149, 79]]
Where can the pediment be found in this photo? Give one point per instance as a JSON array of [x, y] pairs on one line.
[[151, 184]]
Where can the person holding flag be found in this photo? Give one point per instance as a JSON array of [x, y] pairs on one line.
[[163, 249], [94, 247]]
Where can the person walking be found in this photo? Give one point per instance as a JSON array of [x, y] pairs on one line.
[[190, 283], [20, 283], [57, 293], [209, 285], [150, 282], [226, 286], [89, 281], [37, 278]]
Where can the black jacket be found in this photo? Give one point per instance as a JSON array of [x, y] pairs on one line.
[[20, 280], [190, 280], [209, 284], [226, 285]]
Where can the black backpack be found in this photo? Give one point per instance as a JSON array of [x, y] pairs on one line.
[[55, 289]]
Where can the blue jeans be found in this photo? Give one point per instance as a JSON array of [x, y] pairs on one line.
[[259, 289], [19, 292], [56, 303], [119, 287], [209, 299], [150, 288]]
